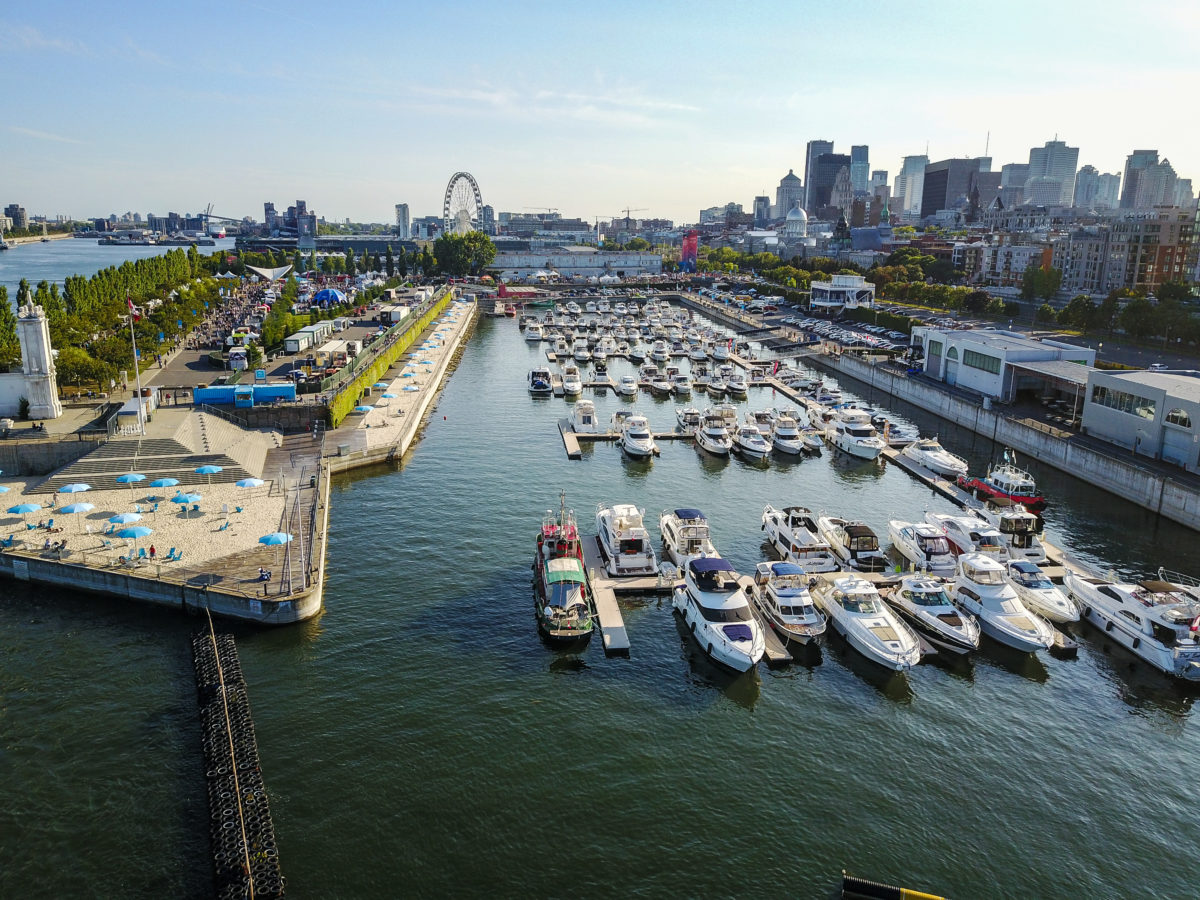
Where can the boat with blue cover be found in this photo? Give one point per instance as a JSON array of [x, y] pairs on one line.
[[717, 613]]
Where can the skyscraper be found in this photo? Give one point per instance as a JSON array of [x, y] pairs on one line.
[[841, 194], [403, 222], [1051, 178], [819, 189], [910, 184], [948, 184], [860, 168], [788, 194], [762, 210], [1096, 191], [1136, 163], [879, 178], [812, 151]]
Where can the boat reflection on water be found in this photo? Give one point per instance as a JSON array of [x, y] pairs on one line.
[[852, 470], [892, 685], [711, 464], [740, 687], [1137, 683], [566, 661], [1027, 665]]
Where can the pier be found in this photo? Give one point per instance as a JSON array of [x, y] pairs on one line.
[[604, 593], [776, 653], [245, 854]]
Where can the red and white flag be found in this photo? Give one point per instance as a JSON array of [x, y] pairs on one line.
[[133, 310]]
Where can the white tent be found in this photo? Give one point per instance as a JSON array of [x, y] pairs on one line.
[[271, 274]]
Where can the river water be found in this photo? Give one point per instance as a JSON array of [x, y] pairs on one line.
[[419, 740]]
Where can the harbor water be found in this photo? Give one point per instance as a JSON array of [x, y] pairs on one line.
[[418, 739]]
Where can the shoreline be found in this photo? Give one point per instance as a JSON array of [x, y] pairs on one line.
[[36, 239]]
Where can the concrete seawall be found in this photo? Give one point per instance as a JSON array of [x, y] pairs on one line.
[[1148, 488], [41, 457]]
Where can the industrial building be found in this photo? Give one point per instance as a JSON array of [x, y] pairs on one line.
[[1154, 414]]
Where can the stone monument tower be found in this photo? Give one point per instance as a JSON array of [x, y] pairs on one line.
[[37, 363]]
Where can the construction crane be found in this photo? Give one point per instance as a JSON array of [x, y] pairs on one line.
[[208, 214], [627, 210], [548, 209]]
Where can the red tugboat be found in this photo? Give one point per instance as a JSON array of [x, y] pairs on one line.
[[561, 600], [1006, 481]]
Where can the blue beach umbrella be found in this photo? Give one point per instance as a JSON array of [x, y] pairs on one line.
[[250, 483], [408, 375], [380, 384], [130, 478], [389, 396], [363, 409], [184, 499], [3, 489], [411, 387], [275, 537], [210, 471], [23, 509], [125, 518], [77, 508], [74, 488], [164, 482], [135, 534]]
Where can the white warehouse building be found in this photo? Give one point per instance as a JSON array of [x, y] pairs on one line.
[[998, 364], [1155, 414], [575, 262]]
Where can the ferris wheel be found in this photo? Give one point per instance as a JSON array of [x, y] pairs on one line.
[[463, 210]]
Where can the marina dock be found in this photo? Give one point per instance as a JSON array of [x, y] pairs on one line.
[[776, 651], [604, 593]]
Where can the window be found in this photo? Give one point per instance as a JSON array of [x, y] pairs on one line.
[[952, 353], [981, 361], [1124, 402], [1179, 417]]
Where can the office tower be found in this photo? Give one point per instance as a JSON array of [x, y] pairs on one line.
[[1183, 192], [879, 178], [788, 194], [1135, 164], [1148, 185], [762, 210], [1051, 179], [819, 189], [812, 151], [910, 184], [948, 184], [859, 168], [16, 212], [487, 219], [403, 222]]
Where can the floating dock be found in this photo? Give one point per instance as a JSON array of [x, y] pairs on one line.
[[570, 440], [604, 592], [245, 855], [776, 651]]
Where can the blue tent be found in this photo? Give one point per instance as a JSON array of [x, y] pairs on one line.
[[329, 297]]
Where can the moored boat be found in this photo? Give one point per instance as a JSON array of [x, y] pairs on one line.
[[685, 535], [853, 543], [1039, 593], [923, 545], [981, 589], [923, 603], [562, 603], [540, 382], [718, 615], [858, 613], [929, 453], [780, 592], [624, 542], [792, 531], [1008, 481]]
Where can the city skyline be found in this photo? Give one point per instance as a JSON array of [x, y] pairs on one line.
[[371, 107]]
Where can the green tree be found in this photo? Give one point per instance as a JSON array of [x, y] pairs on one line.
[[10, 347], [1080, 313], [638, 244], [1138, 318], [390, 262], [1045, 313], [254, 355], [75, 366], [1175, 290], [351, 263]]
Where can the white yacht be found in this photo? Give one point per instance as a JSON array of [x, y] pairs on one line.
[[627, 386], [688, 418], [729, 414], [716, 385], [562, 346], [540, 382], [720, 351], [762, 419], [713, 436], [792, 531], [697, 353], [685, 535], [1039, 593], [660, 385], [923, 603], [660, 351], [718, 614], [535, 331], [923, 545], [648, 372], [583, 418], [572, 381], [580, 350], [636, 439], [749, 442], [930, 454], [737, 385], [853, 543], [857, 612], [780, 592], [981, 589], [681, 385], [624, 541], [852, 432], [1155, 620], [785, 435], [1018, 528], [573, 308], [970, 534]]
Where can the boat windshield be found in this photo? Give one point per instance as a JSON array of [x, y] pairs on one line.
[[984, 576], [987, 540], [866, 604], [633, 545], [726, 614], [927, 598], [805, 610], [1031, 579], [861, 431], [935, 546]]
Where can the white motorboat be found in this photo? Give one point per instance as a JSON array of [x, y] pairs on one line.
[[697, 353], [728, 413], [573, 308], [970, 534], [923, 545], [713, 436], [792, 531], [572, 381], [580, 350], [540, 382], [763, 420], [716, 385], [923, 603], [853, 543], [1018, 528], [811, 438], [720, 351], [660, 385], [780, 592], [852, 432], [1039, 593], [637, 353], [685, 535], [583, 418], [785, 435], [681, 385], [981, 589], [1158, 621], [718, 614], [857, 612], [737, 385], [627, 386], [562, 346], [535, 331], [624, 541], [660, 351], [749, 442], [688, 418], [648, 372], [929, 453], [636, 439]]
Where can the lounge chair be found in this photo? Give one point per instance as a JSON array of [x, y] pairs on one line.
[[105, 545], [195, 507], [224, 526], [170, 557], [141, 553], [237, 509], [50, 525]]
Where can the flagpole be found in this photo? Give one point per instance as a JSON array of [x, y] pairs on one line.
[[137, 370]]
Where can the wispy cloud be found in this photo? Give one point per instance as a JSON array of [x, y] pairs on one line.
[[143, 53], [42, 135], [26, 37]]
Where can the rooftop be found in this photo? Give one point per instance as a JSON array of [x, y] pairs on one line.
[[1182, 383]]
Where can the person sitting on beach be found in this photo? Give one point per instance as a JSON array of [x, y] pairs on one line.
[[46, 546], [263, 574]]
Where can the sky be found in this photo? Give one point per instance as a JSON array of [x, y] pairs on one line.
[[587, 108]]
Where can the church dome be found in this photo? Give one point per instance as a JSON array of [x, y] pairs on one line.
[[796, 223], [796, 213]]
